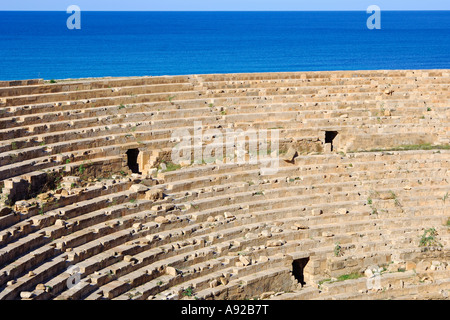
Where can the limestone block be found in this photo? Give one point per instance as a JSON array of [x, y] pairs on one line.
[[245, 261], [40, 286], [290, 155], [161, 220], [71, 179], [138, 188], [154, 194], [342, 211], [60, 222], [214, 283], [129, 258], [275, 243], [171, 217], [301, 226], [223, 281], [137, 226], [171, 271], [26, 295], [228, 215], [423, 266]]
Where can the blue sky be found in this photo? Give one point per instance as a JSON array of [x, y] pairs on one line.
[[215, 5]]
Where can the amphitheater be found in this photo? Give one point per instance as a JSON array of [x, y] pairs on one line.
[[93, 207]]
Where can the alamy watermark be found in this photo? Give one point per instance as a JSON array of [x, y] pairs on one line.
[[374, 21], [373, 275], [75, 277], [74, 21], [250, 146]]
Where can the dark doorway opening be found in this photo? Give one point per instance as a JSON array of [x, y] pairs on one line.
[[298, 266], [132, 156], [329, 137]]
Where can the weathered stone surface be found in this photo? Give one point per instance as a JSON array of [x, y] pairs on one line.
[[129, 258], [245, 261], [423, 266], [275, 243], [301, 226], [154, 194], [40, 287], [410, 265], [223, 281], [214, 283], [228, 215], [71, 195], [161, 220], [171, 271], [60, 222], [266, 295], [138, 188], [26, 295], [290, 155]]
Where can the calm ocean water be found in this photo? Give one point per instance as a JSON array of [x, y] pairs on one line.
[[38, 44]]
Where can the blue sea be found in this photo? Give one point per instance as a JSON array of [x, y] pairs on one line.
[[39, 44]]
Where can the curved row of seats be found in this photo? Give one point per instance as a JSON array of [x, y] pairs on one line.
[[388, 210], [221, 230]]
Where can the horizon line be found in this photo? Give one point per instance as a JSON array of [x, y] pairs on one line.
[[23, 10]]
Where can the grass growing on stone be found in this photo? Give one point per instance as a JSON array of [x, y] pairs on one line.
[[338, 250], [170, 166], [189, 292], [324, 280], [408, 147], [428, 238], [445, 197], [344, 277], [354, 275]]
